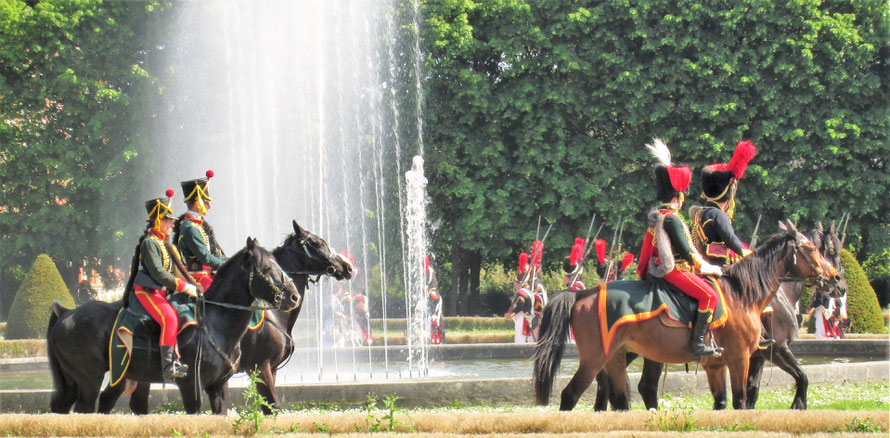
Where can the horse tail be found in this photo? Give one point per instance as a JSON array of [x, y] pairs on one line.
[[551, 343], [62, 398]]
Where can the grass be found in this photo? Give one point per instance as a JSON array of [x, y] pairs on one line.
[[847, 397]]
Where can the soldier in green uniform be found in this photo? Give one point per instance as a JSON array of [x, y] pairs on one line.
[[154, 281], [194, 235]]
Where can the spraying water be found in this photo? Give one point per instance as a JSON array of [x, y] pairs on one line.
[[415, 290]]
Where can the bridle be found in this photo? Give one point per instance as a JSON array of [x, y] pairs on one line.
[[815, 278], [315, 256]]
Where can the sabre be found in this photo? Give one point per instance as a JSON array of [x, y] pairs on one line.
[[533, 270], [612, 249], [753, 241], [524, 279], [587, 239], [844, 236]]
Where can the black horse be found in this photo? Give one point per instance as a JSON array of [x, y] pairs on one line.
[[302, 255], [781, 325], [78, 339]]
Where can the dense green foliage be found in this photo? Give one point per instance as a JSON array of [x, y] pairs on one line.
[[73, 80], [877, 269], [862, 304], [31, 308], [543, 108]]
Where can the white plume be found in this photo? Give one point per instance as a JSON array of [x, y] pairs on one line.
[[660, 151]]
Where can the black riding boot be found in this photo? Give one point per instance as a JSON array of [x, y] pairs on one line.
[[171, 368], [699, 349], [765, 340]]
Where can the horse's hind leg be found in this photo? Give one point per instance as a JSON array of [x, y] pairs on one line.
[[616, 369], [648, 386], [602, 392], [139, 398], [267, 387], [785, 360], [109, 396], [63, 399], [755, 371], [579, 383], [86, 398]]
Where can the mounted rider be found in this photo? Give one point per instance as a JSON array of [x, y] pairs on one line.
[[155, 280], [193, 234], [617, 271], [712, 230], [571, 267], [668, 252], [434, 303]]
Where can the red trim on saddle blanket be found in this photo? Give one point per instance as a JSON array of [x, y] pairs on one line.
[[608, 334]]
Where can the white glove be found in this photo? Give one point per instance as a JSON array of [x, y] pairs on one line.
[[191, 290], [709, 269]]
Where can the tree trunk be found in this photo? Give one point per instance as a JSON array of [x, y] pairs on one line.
[[474, 270], [453, 298]]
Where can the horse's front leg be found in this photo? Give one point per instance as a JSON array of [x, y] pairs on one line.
[[786, 361], [716, 373], [191, 398], [755, 370], [215, 395], [738, 380], [109, 396], [648, 386], [616, 369]]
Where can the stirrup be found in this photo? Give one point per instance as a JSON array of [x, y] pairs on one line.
[[765, 343], [175, 370]]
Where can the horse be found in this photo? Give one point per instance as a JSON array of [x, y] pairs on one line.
[[749, 286], [302, 255], [78, 339], [525, 311], [781, 325]]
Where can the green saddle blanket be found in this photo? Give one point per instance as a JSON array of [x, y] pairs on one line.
[[258, 317], [133, 318], [622, 302]]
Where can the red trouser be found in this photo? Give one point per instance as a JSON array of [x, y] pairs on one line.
[[203, 278], [154, 301], [694, 286]]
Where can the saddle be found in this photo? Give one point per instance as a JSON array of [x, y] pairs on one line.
[[135, 329], [622, 302]]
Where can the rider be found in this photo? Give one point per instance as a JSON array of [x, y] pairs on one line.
[[193, 234], [617, 271], [571, 267], [437, 329], [712, 222], [155, 280], [668, 252]]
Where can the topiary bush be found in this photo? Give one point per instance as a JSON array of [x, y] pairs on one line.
[[29, 314], [862, 304], [877, 269]]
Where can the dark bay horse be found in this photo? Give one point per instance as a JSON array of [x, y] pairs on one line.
[[302, 255], [781, 325], [78, 339], [748, 285]]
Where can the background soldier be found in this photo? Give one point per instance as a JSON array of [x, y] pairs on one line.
[[194, 236]]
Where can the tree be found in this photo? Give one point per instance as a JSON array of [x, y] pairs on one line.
[[543, 108], [31, 308], [72, 76], [862, 304]]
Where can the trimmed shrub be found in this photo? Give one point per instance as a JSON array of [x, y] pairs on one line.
[[862, 304], [29, 314], [877, 268]]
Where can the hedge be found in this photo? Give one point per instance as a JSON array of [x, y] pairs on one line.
[[29, 314], [862, 304]]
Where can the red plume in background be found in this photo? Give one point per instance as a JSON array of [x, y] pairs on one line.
[[627, 260], [523, 262], [537, 253], [575, 256], [426, 264], [744, 152], [600, 245], [579, 241]]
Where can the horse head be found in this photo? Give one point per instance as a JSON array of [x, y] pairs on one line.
[[830, 246], [267, 281], [811, 265], [304, 253]]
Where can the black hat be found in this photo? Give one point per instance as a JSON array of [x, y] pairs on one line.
[[159, 208], [716, 179], [197, 187], [670, 179]]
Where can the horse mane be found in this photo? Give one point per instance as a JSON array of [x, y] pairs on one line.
[[754, 277]]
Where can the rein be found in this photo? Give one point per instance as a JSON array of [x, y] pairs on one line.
[[819, 281]]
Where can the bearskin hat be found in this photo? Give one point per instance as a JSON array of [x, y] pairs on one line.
[[197, 187], [570, 263], [716, 178], [670, 179]]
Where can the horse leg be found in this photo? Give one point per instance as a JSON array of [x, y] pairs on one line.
[[215, 396], [86, 398], [109, 397], [602, 392], [63, 399], [267, 387], [616, 369], [738, 379], [755, 370], [579, 383], [786, 361], [139, 398], [717, 384], [648, 386], [191, 399]]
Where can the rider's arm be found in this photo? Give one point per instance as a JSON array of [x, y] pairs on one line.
[[645, 255], [723, 226], [191, 238], [152, 261], [680, 244]]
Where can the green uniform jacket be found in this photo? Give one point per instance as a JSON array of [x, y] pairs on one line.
[[194, 245], [155, 266]]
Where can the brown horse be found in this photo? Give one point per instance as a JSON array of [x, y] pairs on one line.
[[748, 285]]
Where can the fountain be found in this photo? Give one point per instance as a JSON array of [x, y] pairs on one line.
[[301, 109]]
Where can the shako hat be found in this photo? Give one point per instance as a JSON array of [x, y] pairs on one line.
[[716, 179], [197, 187], [159, 208], [670, 179]]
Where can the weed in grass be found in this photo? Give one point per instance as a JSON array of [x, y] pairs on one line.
[[457, 405], [322, 428], [865, 425], [388, 422], [171, 407], [175, 432], [253, 411], [671, 421]]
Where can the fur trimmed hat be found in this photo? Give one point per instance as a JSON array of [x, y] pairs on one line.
[[716, 179], [670, 180]]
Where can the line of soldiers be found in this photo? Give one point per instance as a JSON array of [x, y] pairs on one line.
[[174, 255]]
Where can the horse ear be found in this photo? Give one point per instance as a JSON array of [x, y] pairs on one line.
[[251, 243], [791, 227], [298, 229], [833, 228], [819, 227], [782, 226]]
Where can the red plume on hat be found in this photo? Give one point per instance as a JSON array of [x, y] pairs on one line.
[[579, 241], [744, 152], [627, 260], [426, 264], [523, 262], [537, 253], [600, 245], [575, 256]]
